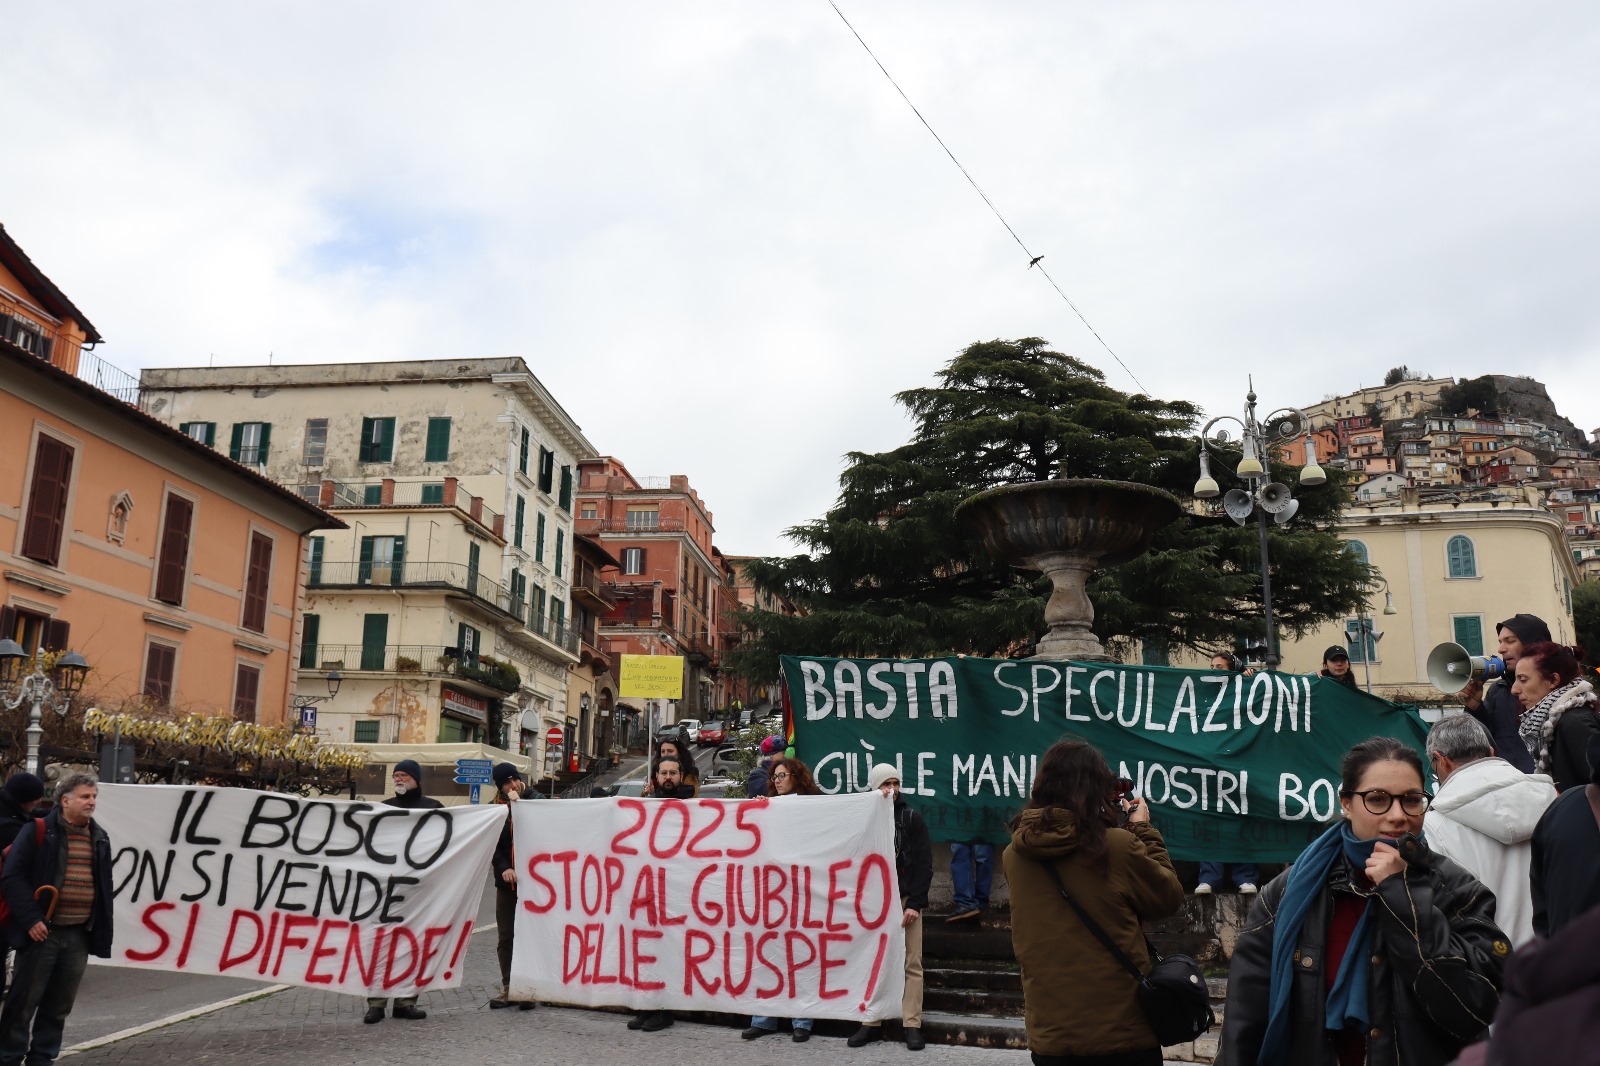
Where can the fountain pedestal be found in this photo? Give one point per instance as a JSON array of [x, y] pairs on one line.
[[1067, 529]]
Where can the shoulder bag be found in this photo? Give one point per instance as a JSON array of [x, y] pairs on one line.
[[1173, 994]]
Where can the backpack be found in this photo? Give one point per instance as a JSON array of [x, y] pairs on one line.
[[38, 842]]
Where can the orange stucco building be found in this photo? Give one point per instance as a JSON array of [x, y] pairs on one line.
[[175, 571]]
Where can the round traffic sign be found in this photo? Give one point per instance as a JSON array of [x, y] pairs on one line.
[[553, 735]]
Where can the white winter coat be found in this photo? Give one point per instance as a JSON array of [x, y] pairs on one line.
[[1483, 818]]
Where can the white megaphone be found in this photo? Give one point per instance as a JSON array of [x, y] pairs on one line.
[[1274, 497], [1239, 505], [1451, 667]]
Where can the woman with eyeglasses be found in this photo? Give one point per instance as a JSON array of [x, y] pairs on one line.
[[1370, 950], [788, 777]]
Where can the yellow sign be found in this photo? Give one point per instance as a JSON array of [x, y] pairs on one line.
[[652, 677]]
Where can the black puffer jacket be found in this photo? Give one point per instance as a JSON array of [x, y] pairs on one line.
[[913, 854], [1437, 966]]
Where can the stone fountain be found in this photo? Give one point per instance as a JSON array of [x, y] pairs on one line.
[[1067, 529]]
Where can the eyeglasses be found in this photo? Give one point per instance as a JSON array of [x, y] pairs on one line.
[[781, 775], [1377, 801]]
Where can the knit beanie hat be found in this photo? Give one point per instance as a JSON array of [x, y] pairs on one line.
[[772, 745], [881, 773], [409, 766], [24, 788], [504, 772]]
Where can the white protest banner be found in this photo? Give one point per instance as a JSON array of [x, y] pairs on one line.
[[787, 906], [351, 897]]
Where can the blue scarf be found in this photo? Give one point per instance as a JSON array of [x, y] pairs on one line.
[[1308, 879]]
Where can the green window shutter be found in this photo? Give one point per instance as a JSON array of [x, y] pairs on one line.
[[438, 440], [538, 539], [386, 442], [374, 635], [365, 451], [364, 576], [433, 494], [522, 452], [399, 561], [309, 633], [367, 731], [1469, 633], [237, 443], [566, 489], [316, 560], [561, 537], [266, 441], [473, 556], [558, 612], [516, 528], [372, 495], [211, 434]]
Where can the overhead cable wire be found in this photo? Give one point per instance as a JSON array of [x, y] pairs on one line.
[[973, 182]]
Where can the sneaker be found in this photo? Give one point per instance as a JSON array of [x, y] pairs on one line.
[[914, 1040], [801, 1036], [527, 1004], [756, 1032], [409, 1013], [865, 1035], [966, 915], [637, 1021], [1202, 889], [500, 1004], [373, 1016], [657, 1021], [1247, 889]]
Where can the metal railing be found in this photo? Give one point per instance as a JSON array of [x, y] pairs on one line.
[[585, 577], [354, 494], [109, 379], [622, 525], [412, 658]]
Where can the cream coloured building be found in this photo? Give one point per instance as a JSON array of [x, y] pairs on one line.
[[446, 607], [1400, 400], [1454, 568]]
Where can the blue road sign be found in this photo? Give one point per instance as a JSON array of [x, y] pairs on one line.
[[474, 779], [474, 794], [473, 764]]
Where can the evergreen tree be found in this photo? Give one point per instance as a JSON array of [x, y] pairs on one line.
[[887, 572]]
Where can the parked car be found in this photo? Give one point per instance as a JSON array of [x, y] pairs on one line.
[[723, 760], [690, 726], [713, 733]]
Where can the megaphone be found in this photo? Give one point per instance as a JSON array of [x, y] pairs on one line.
[[1287, 513], [1274, 497], [1451, 667], [1238, 504]]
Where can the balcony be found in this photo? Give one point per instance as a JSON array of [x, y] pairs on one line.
[[593, 526], [425, 659], [588, 590], [452, 577], [389, 493]]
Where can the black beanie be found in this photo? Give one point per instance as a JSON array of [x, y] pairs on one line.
[[1529, 628], [409, 766], [24, 788], [504, 772]]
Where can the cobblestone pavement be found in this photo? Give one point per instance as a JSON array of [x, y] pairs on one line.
[[301, 1026]]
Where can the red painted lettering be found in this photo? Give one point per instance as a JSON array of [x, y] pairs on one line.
[[147, 919]]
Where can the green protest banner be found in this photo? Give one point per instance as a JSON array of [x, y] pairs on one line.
[[1235, 768]]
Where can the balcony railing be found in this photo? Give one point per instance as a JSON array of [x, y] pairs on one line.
[[621, 525], [586, 579], [387, 492], [433, 660], [456, 576]]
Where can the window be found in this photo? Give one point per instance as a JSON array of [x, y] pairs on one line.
[[46, 519], [382, 560], [536, 611], [566, 489], [516, 525], [561, 539], [257, 579], [547, 469], [538, 539], [246, 686], [251, 442], [315, 450], [643, 517], [374, 637], [468, 641], [519, 592], [633, 560], [204, 432], [26, 334], [1461, 558], [34, 631], [160, 661], [1358, 549], [474, 556], [587, 510], [522, 452], [1469, 632], [366, 731], [438, 441], [172, 558], [310, 630], [316, 561], [377, 440], [1361, 651], [558, 611], [433, 494]]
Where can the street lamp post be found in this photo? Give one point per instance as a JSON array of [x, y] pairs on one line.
[[1369, 638], [1262, 496], [305, 706], [39, 690]]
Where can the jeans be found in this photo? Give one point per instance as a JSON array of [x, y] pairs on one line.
[[967, 859], [772, 1023], [1244, 873], [42, 993]]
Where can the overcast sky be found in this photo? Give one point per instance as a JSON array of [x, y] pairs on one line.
[[722, 239]]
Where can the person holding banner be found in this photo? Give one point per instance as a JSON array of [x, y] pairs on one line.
[[1371, 948], [408, 795], [787, 777], [1080, 1005], [59, 892], [508, 790], [913, 862], [688, 774]]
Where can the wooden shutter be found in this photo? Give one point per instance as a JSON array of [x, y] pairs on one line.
[[538, 539], [246, 685], [257, 578], [172, 560], [266, 442], [159, 661], [315, 577], [57, 635], [561, 537], [397, 571], [516, 530], [236, 444], [566, 489], [8, 617], [385, 440], [47, 501], [522, 452], [438, 440], [374, 637], [364, 574], [310, 630]]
